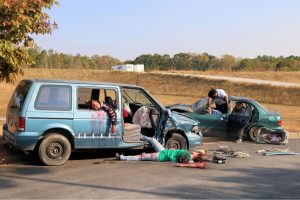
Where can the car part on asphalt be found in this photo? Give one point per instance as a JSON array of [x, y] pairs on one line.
[[268, 152], [269, 136]]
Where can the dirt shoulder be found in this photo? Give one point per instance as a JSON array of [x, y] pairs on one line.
[[9, 156], [236, 79]]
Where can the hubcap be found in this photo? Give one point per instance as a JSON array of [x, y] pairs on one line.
[[55, 150]]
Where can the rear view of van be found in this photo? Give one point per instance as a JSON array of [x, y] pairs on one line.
[[15, 114]]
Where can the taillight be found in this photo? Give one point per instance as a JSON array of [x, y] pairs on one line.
[[21, 123], [280, 122]]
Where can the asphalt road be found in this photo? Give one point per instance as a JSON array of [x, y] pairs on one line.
[[99, 175]]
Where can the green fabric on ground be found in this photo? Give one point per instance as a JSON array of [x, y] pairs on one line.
[[172, 154]]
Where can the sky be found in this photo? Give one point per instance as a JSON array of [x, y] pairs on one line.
[[126, 29]]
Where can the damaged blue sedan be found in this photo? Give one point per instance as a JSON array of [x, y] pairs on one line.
[[243, 113], [54, 117]]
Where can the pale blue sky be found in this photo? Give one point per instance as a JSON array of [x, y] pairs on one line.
[[126, 29]]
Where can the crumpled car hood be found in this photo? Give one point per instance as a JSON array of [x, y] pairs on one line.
[[181, 118]]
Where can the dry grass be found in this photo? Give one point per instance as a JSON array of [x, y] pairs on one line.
[[178, 89], [292, 77]]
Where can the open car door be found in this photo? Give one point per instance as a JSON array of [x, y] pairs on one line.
[[240, 117], [211, 124]]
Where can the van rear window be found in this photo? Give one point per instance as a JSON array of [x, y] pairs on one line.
[[54, 97], [19, 95]]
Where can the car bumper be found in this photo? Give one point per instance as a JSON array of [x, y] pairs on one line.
[[19, 140], [194, 139]]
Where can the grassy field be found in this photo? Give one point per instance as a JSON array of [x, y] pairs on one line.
[[178, 89]]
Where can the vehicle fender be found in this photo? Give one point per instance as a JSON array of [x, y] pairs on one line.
[[58, 128], [168, 133]]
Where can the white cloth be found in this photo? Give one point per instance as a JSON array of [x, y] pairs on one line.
[[126, 106], [141, 117]]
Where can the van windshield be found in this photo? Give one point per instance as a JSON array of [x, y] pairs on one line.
[[136, 96], [19, 95]]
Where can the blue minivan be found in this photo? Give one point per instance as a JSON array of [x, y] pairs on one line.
[[53, 118]]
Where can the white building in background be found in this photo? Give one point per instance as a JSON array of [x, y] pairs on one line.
[[128, 68]]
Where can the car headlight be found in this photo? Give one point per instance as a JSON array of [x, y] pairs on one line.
[[196, 129]]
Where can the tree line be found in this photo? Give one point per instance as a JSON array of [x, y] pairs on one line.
[[205, 61], [180, 61], [53, 59], [20, 19]]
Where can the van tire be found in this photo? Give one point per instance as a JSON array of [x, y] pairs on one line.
[[176, 141], [55, 149]]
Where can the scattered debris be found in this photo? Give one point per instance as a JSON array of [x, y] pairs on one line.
[[269, 136], [269, 152], [240, 154], [225, 150], [219, 160]]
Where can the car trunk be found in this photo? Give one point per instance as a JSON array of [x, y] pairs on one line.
[[273, 119]]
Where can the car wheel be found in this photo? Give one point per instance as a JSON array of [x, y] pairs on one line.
[[55, 149], [252, 133], [176, 141]]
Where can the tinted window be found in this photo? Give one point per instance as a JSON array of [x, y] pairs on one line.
[[19, 95], [54, 97]]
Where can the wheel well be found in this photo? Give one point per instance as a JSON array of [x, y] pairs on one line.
[[249, 127], [170, 132], [63, 132]]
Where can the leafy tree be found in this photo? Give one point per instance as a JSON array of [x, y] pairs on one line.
[[227, 62], [166, 62], [284, 65], [105, 62], [202, 61], [68, 61], [19, 19], [77, 62], [246, 65], [42, 60], [56, 60], [183, 61], [143, 59]]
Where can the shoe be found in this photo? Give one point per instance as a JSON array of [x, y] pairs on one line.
[[118, 156], [239, 141], [219, 160], [142, 138]]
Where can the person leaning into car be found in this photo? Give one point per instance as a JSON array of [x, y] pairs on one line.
[[220, 98]]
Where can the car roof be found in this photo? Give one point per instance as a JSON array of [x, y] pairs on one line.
[[83, 82]]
